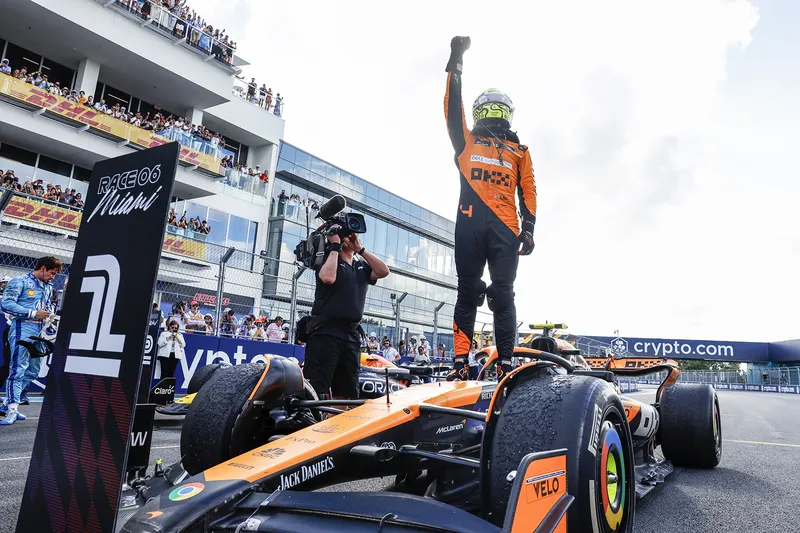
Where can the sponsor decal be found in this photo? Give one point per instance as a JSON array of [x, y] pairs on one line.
[[788, 389], [269, 453], [29, 94], [241, 465], [300, 440], [753, 387], [184, 492], [722, 386], [594, 436], [355, 417], [545, 484], [487, 395], [203, 298], [449, 429], [161, 390], [619, 346], [769, 388], [490, 161], [153, 514], [306, 473], [379, 386], [139, 438], [737, 386], [389, 445], [326, 428], [482, 142]]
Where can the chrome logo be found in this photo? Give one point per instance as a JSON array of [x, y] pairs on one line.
[[612, 470], [184, 492]]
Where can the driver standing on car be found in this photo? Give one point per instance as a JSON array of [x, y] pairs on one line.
[[28, 300], [493, 168], [333, 345]]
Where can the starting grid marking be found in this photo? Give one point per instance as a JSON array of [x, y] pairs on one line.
[[153, 448]]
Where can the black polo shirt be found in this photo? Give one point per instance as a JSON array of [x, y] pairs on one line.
[[342, 302]]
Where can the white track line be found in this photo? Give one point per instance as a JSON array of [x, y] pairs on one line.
[[28, 458]]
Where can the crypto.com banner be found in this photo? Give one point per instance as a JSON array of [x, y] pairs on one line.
[[683, 348], [78, 462]]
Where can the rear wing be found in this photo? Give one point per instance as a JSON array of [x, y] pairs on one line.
[[539, 500], [639, 367]]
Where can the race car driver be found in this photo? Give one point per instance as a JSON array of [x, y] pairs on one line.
[[28, 300], [493, 167]]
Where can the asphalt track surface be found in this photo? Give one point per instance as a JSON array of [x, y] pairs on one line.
[[756, 487]]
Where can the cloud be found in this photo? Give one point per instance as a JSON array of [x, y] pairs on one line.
[[620, 104]]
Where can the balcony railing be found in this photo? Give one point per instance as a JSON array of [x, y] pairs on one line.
[[177, 30]]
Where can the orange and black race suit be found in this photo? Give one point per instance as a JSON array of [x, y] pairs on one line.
[[494, 168]]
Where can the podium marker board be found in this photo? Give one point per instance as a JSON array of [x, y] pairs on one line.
[[78, 462]]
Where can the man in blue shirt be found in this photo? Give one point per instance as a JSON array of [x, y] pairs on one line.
[[28, 301]]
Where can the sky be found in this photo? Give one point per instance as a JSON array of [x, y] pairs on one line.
[[661, 134]]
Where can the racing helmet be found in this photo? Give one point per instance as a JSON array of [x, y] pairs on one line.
[[493, 107], [50, 328]]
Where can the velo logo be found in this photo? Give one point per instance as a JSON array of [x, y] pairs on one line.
[[98, 336]]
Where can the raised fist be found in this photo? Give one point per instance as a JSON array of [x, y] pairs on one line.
[[460, 44]]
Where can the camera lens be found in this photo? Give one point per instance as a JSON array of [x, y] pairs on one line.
[[354, 224]]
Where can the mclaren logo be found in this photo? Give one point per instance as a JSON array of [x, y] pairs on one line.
[[444, 430]]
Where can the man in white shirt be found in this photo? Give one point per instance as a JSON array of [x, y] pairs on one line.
[[389, 353], [274, 330], [194, 318], [425, 345]]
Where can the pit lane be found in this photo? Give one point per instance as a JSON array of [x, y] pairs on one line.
[[755, 488]]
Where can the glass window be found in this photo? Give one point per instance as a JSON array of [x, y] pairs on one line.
[[252, 233], [391, 243], [18, 154], [219, 226], [19, 57], [359, 186], [80, 180], [405, 206], [372, 191], [422, 258], [283, 164], [115, 96], [415, 211], [319, 166], [237, 232], [402, 246], [384, 197], [22, 171], [380, 238], [55, 166], [413, 248], [394, 202], [368, 239], [52, 178], [56, 72], [303, 159], [193, 210], [288, 152]]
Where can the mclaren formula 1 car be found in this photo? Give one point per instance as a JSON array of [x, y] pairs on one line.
[[552, 447]]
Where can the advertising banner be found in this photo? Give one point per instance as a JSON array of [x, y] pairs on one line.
[[708, 350], [27, 93], [74, 481], [62, 217]]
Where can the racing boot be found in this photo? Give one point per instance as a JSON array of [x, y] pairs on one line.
[[12, 416], [503, 368], [3, 409], [460, 370], [23, 398]]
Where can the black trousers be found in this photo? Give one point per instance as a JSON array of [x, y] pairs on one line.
[[480, 241], [168, 366], [332, 365]]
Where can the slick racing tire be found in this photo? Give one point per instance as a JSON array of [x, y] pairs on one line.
[[691, 431], [202, 375], [584, 415], [208, 427]]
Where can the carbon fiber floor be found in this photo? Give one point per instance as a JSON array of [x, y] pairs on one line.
[[756, 488]]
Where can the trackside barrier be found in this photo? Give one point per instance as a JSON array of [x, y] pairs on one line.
[[746, 387], [204, 350]]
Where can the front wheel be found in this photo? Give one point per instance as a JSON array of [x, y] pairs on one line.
[[585, 416], [691, 430]]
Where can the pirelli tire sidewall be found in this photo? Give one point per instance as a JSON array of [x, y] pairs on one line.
[[585, 416]]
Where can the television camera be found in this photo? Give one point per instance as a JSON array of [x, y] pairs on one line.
[[311, 251]]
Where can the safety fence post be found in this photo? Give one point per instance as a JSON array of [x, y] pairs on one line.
[[396, 301], [221, 287], [516, 336], [293, 308], [436, 325]]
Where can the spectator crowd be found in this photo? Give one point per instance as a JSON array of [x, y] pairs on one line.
[[191, 320], [37, 188], [193, 224], [263, 97]]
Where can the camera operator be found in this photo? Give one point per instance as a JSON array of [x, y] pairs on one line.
[[333, 332]]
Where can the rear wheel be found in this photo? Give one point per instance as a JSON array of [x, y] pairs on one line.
[[207, 430], [690, 431], [585, 416]]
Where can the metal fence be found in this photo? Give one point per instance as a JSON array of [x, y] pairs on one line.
[[220, 278]]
